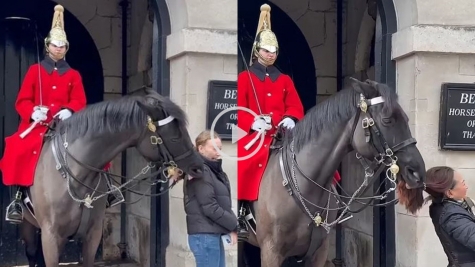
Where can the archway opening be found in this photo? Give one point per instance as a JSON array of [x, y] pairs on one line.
[[295, 57]]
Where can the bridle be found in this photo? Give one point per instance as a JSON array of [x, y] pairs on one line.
[[167, 159], [383, 158], [167, 165]]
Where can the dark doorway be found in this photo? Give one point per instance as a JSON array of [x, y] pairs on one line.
[[18, 51], [295, 57], [384, 218]]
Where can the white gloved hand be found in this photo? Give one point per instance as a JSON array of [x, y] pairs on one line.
[[64, 114], [259, 124], [287, 123], [38, 115]]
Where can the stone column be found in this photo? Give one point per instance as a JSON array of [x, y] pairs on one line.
[[434, 44]]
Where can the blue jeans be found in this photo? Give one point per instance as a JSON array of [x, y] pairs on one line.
[[208, 250]]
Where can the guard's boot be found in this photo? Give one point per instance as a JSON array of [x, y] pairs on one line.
[[242, 230], [115, 197], [14, 212]]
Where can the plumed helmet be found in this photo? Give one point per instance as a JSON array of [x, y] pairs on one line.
[[57, 35], [265, 37]]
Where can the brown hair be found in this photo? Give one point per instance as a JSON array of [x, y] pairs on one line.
[[203, 137], [412, 199], [438, 180]]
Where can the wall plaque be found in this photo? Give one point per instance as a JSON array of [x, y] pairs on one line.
[[457, 117], [222, 95]]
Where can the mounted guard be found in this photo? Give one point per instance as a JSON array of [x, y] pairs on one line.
[[273, 97], [51, 89]]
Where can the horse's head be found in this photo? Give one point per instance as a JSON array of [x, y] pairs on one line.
[[382, 131], [166, 138]]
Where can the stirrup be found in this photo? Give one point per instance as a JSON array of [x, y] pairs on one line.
[[14, 221]]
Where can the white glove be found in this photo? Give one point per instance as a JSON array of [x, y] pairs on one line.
[[259, 124], [64, 114], [287, 123], [38, 115]]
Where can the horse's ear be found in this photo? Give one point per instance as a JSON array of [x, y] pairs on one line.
[[148, 108], [363, 88]]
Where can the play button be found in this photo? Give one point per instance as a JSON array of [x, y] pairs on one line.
[[237, 133]]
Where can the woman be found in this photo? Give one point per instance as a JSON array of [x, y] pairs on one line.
[[452, 215], [208, 207]]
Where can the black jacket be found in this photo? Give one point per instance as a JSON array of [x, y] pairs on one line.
[[208, 203], [454, 223]]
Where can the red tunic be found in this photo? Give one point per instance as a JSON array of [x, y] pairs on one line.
[[278, 98], [61, 88]]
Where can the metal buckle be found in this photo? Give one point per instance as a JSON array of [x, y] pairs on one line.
[[155, 140], [367, 122], [389, 152]]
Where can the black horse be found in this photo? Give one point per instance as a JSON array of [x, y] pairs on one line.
[[297, 202], [68, 180]]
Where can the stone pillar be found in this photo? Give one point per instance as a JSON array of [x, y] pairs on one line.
[[204, 48], [432, 46]]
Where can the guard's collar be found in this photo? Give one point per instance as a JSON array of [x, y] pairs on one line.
[[261, 71], [62, 66]]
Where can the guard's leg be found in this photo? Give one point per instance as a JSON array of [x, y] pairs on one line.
[[243, 211], [14, 212], [115, 197]]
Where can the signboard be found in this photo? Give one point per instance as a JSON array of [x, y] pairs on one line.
[[457, 117], [222, 95]]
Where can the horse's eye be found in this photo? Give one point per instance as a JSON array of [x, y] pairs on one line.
[[387, 120]]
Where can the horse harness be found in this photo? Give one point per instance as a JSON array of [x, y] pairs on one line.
[[384, 158], [167, 169]]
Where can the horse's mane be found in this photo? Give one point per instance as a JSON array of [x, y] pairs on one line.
[[337, 109], [116, 115]]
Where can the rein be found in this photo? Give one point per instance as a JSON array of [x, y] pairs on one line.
[[167, 169], [384, 158]]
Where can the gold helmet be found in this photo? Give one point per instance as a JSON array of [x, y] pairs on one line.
[[265, 38], [57, 35]]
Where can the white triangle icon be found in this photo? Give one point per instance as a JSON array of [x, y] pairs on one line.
[[237, 133]]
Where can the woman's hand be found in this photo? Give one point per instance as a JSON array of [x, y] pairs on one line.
[[234, 238]]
